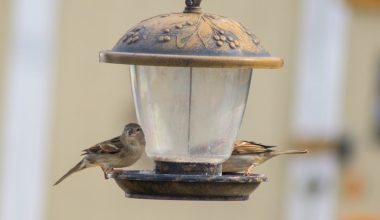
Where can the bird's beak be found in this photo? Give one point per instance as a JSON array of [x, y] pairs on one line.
[[129, 132]]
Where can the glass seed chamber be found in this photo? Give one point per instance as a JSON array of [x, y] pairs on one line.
[[191, 114], [191, 75]]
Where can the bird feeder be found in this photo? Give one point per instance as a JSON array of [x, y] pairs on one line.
[[191, 74]]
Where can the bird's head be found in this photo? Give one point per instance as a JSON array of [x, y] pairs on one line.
[[133, 132], [133, 129]]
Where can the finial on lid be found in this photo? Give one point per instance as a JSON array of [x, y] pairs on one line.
[[193, 6]]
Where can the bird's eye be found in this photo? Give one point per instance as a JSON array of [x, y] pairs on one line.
[[138, 130]]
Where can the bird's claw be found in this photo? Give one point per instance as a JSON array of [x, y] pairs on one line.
[[247, 173], [108, 173]]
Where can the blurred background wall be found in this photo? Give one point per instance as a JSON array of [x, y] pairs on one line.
[[90, 101], [3, 39]]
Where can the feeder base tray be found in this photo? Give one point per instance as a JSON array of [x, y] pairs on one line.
[[150, 185]]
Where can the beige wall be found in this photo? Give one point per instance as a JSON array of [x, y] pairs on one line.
[[3, 60], [3, 47], [3, 38], [94, 100]]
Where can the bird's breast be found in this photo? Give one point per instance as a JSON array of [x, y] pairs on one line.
[[238, 163]]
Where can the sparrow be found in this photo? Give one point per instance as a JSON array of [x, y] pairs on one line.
[[118, 152], [248, 155]]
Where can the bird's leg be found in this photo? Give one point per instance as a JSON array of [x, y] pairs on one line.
[[249, 170], [106, 171]]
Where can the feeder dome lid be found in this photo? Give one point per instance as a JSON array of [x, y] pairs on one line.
[[190, 39]]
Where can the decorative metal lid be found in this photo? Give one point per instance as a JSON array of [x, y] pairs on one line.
[[191, 38]]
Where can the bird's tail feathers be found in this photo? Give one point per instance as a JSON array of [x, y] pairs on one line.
[[80, 166], [290, 152]]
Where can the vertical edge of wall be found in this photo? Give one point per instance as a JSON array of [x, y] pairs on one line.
[[317, 111], [27, 108]]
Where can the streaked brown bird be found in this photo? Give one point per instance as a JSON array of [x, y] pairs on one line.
[[118, 152], [248, 154]]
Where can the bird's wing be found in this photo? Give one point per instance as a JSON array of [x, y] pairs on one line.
[[111, 146], [252, 143], [250, 147]]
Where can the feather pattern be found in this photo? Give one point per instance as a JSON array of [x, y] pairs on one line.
[[250, 147], [111, 146], [247, 155]]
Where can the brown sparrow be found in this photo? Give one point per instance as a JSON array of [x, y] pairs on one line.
[[121, 151], [248, 155]]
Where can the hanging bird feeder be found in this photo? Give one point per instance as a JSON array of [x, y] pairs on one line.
[[191, 74]]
